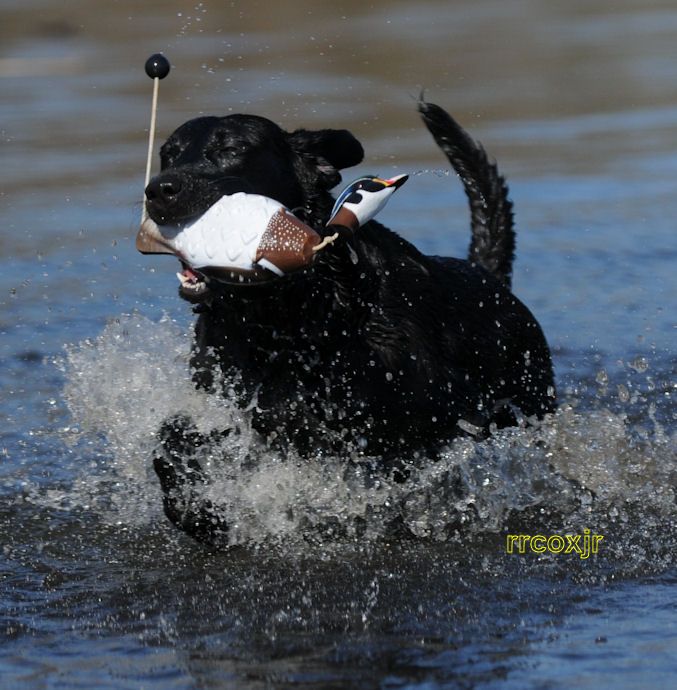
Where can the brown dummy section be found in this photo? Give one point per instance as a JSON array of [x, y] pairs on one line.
[[346, 218], [287, 242]]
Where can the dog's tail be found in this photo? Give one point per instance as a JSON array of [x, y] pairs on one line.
[[493, 237]]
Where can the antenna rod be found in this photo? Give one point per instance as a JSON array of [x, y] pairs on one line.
[[157, 67]]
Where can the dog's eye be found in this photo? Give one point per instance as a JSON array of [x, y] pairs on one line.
[[224, 155]]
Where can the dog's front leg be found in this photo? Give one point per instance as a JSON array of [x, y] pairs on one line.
[[183, 481]]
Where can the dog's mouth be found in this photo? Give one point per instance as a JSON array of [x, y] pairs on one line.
[[193, 285], [196, 286]]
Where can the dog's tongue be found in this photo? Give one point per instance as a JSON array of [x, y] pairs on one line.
[[188, 275]]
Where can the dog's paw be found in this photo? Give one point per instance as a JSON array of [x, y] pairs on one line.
[[179, 431], [176, 461], [183, 479]]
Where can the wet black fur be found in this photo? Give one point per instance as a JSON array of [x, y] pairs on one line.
[[377, 349]]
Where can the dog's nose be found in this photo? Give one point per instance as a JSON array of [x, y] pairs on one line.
[[164, 189]]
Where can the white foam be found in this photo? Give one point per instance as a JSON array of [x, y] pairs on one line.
[[122, 386]]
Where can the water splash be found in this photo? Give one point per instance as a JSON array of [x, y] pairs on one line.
[[436, 172], [580, 464]]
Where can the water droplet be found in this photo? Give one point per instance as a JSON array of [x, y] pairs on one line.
[[639, 364], [623, 393]]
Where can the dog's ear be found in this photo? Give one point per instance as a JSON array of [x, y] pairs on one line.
[[328, 150]]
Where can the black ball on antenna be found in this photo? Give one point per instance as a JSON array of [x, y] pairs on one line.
[[157, 66]]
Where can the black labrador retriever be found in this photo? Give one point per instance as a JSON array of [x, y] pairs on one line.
[[376, 350]]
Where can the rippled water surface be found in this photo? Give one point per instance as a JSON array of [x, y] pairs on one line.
[[577, 101]]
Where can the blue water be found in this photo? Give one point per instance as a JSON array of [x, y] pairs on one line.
[[97, 590]]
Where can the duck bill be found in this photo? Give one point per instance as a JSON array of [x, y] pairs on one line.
[[149, 239], [396, 181]]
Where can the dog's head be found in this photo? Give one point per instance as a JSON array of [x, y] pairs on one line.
[[208, 157]]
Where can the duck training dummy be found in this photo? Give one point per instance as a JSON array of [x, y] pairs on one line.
[[246, 238]]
